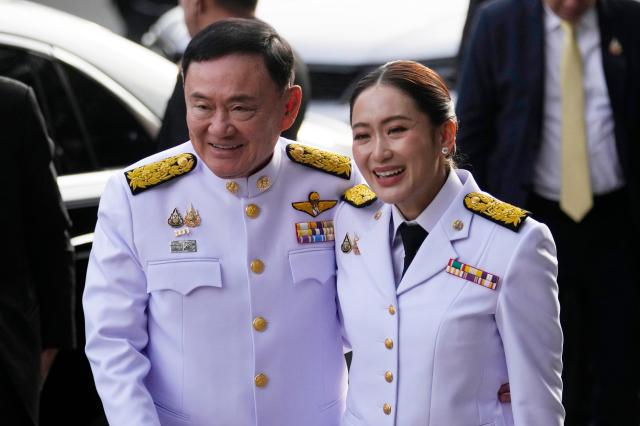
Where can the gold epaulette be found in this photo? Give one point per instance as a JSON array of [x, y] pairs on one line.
[[359, 196], [146, 177], [497, 211], [325, 161]]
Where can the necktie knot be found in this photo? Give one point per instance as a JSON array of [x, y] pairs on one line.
[[412, 238]]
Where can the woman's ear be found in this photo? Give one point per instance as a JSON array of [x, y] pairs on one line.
[[446, 135]]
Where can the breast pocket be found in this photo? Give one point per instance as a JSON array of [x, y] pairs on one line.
[[180, 295], [313, 265], [183, 276], [177, 288]]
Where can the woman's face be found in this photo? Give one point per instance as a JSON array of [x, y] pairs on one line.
[[398, 150]]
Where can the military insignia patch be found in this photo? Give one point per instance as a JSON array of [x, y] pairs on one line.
[[192, 218], [346, 244], [497, 211], [359, 196], [315, 205], [315, 232], [325, 161], [146, 177], [175, 219], [475, 275]]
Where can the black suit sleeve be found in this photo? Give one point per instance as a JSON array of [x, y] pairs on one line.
[[50, 253], [477, 100]]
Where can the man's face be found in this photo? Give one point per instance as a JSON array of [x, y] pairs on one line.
[[570, 10], [235, 113]]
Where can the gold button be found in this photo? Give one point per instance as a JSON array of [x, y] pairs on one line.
[[387, 409], [263, 183], [259, 323], [261, 380], [457, 225], [388, 376], [388, 343], [257, 266], [392, 310], [252, 211], [232, 187], [377, 215]]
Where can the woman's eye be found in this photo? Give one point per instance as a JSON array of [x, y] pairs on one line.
[[360, 136], [396, 130]]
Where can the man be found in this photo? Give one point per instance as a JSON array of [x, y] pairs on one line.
[[198, 14], [548, 108], [210, 293], [37, 286]]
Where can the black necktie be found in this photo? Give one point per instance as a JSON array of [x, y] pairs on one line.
[[412, 238]]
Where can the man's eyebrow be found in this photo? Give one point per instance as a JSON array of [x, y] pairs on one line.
[[236, 98]]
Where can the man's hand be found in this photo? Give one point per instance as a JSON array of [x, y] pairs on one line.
[[504, 393], [46, 360]]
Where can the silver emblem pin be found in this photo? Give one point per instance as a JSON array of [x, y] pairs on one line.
[[184, 246]]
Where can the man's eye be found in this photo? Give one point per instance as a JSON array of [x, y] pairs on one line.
[[242, 112]]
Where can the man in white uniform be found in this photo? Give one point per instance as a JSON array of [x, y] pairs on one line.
[[210, 294]]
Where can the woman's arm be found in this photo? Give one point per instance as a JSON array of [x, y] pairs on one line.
[[528, 318]]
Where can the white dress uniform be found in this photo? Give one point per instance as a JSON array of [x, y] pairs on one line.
[[476, 308], [228, 318]]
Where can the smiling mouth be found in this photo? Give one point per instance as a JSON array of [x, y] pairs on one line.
[[389, 173], [225, 147]]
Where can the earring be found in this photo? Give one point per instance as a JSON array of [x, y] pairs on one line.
[[445, 150]]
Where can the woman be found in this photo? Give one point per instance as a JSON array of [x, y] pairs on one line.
[[433, 338]]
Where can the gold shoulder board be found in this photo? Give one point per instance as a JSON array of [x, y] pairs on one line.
[[325, 161], [497, 211], [146, 177], [359, 196]]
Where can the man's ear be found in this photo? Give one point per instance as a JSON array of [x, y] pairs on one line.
[[293, 94]]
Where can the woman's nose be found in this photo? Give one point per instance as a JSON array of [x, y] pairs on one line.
[[381, 151]]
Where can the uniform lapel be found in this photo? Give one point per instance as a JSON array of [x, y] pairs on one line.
[[438, 248], [432, 257], [375, 251]]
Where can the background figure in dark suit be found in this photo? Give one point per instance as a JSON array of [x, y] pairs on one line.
[[199, 14], [520, 113], [37, 284]]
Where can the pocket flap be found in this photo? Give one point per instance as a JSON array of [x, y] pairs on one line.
[[183, 275], [316, 265]]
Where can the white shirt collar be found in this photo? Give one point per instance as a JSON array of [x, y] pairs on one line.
[[588, 21], [430, 216]]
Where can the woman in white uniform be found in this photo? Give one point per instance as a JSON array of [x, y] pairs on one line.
[[445, 292]]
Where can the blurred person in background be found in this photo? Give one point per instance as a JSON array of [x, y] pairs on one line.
[[138, 15], [445, 292], [210, 293], [198, 14], [37, 286], [548, 109]]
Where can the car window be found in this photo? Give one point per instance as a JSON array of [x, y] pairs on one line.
[[92, 129]]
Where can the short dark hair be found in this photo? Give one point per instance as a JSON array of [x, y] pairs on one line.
[[421, 83], [244, 36]]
